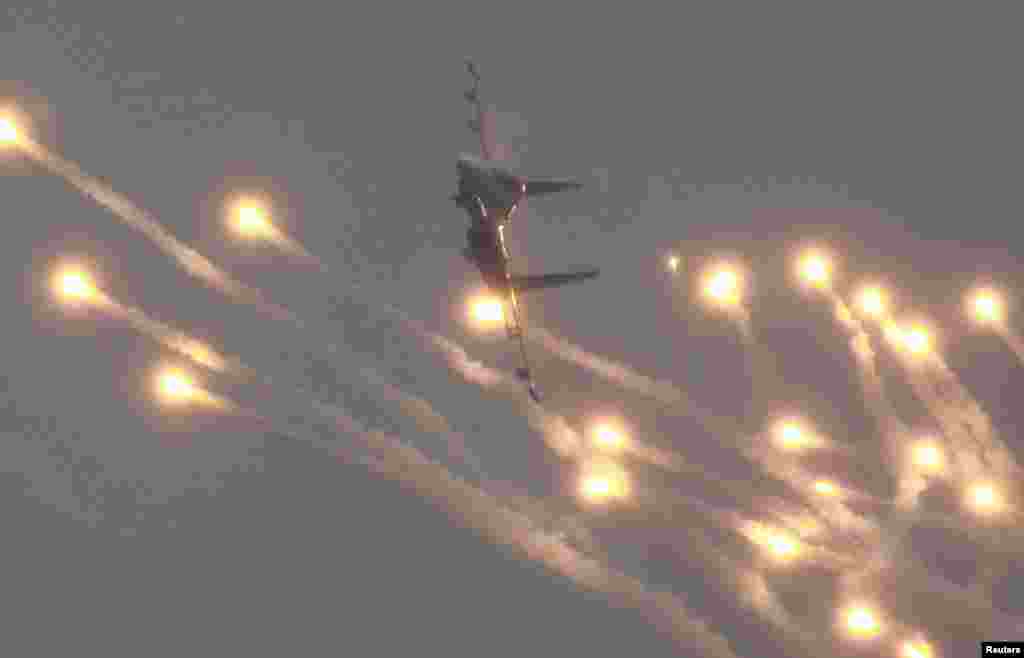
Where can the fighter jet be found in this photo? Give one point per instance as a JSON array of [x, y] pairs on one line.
[[490, 193]]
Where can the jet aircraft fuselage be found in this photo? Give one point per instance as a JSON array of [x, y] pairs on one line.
[[490, 194]]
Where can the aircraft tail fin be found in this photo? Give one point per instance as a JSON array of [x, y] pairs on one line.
[[482, 122], [541, 281]]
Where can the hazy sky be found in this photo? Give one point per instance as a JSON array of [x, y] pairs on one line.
[[128, 534]]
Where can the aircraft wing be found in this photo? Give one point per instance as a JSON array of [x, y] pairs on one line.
[[542, 187], [540, 281]]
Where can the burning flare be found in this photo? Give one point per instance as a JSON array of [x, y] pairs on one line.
[[986, 307], [722, 286], [486, 311], [861, 621], [73, 285], [603, 481], [872, 301], [8, 131], [175, 386], [815, 269], [608, 437], [251, 221]]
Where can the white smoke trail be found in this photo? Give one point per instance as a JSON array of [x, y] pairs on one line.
[[474, 508], [190, 260]]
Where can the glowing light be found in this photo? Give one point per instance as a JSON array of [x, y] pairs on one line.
[[986, 307], [983, 497], [918, 341], [602, 482], [73, 284], [251, 221], [895, 334], [872, 301], [201, 354], [722, 285], [673, 263], [486, 311], [815, 269], [927, 455], [175, 387], [8, 131], [791, 434], [862, 622], [808, 526], [781, 546], [826, 488], [596, 487], [916, 650], [607, 437]]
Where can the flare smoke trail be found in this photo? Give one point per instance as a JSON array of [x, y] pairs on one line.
[[834, 514], [476, 509], [559, 435], [678, 401], [1013, 341], [969, 610], [726, 573], [562, 439], [418, 409], [429, 420], [887, 530], [892, 429], [977, 451], [190, 260], [741, 316], [567, 443], [177, 341], [200, 267], [662, 391], [295, 249]]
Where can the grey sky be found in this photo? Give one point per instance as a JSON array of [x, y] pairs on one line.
[[128, 534]]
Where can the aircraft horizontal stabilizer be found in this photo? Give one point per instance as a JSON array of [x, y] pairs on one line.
[[540, 281]]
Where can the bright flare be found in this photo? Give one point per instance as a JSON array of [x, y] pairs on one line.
[[175, 387], [927, 455], [986, 307], [826, 488], [918, 341], [896, 335], [780, 546], [251, 222], [916, 650], [673, 263], [596, 487], [861, 622], [983, 497], [608, 438], [602, 482], [201, 354], [487, 311], [73, 284], [722, 285], [8, 131], [815, 269], [791, 434], [872, 302]]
